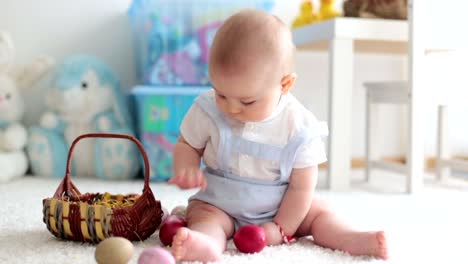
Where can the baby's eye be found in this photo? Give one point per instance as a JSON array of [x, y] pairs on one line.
[[248, 103], [221, 96]]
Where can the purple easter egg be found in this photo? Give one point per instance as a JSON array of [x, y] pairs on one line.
[[156, 255]]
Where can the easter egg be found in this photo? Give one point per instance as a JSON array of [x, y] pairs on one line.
[[250, 239], [179, 210], [156, 255], [169, 228], [114, 250]]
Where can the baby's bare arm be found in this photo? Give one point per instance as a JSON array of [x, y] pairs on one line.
[[187, 173], [295, 205], [185, 155]]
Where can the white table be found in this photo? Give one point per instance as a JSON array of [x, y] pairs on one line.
[[344, 37]]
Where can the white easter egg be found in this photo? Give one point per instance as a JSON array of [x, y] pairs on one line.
[[114, 250]]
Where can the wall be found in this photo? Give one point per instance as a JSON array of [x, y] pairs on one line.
[[63, 27]]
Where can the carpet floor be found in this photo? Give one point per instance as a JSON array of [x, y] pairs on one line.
[[429, 227]]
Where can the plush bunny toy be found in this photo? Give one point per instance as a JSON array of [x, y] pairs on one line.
[[13, 135], [85, 97]]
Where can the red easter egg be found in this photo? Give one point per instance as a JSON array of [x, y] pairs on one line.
[[169, 228], [250, 239]]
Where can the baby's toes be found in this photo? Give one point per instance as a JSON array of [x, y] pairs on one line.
[[178, 249]]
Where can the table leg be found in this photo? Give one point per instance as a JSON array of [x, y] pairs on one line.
[[340, 89], [415, 155]]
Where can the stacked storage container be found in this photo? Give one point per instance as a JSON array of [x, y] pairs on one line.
[[172, 40]]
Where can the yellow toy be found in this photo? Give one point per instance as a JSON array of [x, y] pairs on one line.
[[327, 10], [306, 15]]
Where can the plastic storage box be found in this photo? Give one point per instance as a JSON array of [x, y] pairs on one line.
[[159, 113], [172, 37]]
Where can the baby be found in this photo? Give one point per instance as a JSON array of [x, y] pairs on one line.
[[261, 149]]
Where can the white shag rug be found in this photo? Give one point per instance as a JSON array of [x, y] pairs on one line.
[[430, 227]]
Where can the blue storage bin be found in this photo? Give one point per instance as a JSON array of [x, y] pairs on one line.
[[159, 113], [172, 37]]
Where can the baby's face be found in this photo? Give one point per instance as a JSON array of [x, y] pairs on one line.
[[244, 96]]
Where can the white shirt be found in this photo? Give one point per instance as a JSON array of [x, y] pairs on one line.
[[200, 131]]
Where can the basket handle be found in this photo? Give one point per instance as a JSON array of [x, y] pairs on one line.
[[67, 186]]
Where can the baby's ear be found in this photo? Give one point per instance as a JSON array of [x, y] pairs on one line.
[[287, 82]]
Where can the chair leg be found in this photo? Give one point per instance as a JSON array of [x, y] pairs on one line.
[[409, 156], [443, 146], [367, 140]]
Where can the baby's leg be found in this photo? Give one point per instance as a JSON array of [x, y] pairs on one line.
[[328, 231], [205, 238]]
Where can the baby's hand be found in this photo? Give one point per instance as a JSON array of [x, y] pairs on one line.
[[188, 178], [272, 233]]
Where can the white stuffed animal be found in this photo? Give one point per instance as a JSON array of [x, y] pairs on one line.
[[13, 135]]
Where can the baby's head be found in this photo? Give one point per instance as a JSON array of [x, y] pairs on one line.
[[251, 65]]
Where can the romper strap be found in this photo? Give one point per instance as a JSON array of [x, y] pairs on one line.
[[304, 136], [209, 106]]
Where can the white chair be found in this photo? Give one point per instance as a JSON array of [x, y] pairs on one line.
[[444, 160], [396, 92]]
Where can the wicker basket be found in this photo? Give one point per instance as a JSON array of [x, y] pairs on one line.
[[93, 217]]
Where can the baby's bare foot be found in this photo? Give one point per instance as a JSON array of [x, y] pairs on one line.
[[189, 245], [368, 243]]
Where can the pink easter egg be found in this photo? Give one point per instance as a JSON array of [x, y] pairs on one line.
[[156, 255]]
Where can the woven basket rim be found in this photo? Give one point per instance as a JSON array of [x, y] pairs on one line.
[[87, 198], [68, 189]]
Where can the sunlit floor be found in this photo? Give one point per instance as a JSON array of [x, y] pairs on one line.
[[382, 181]]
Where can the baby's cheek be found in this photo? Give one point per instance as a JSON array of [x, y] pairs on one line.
[[256, 114], [264, 111], [219, 104]]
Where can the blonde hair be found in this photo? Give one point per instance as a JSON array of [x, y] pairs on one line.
[[250, 38]]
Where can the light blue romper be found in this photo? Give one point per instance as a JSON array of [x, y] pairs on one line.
[[248, 200]]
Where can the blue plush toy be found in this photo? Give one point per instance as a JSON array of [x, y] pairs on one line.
[[84, 97]]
